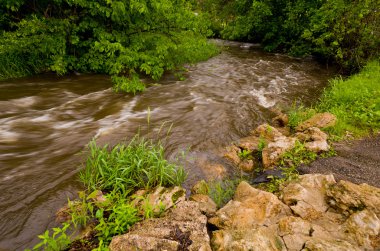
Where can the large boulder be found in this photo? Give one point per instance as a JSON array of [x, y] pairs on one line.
[[349, 197], [260, 239], [250, 208], [183, 228], [316, 244], [307, 197], [364, 228], [320, 120]]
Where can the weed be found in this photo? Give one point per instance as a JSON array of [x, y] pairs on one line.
[[245, 154], [58, 241], [126, 168], [222, 191]]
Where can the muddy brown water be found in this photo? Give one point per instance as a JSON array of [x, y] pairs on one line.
[[46, 121]]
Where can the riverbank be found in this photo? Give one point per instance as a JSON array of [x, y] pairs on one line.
[[102, 205]]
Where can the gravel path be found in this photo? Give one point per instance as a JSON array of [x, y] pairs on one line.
[[357, 161]]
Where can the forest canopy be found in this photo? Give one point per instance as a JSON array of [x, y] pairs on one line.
[[124, 38], [345, 32], [130, 38]]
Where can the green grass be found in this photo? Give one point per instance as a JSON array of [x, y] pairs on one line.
[[354, 101], [222, 191], [125, 168]]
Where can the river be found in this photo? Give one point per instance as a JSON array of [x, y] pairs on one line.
[[46, 121]]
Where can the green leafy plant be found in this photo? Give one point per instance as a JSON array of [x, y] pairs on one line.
[[58, 241], [245, 154]]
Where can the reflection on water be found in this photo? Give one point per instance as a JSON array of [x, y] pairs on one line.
[[46, 121]]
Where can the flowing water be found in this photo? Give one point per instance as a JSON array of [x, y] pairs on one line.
[[46, 121]]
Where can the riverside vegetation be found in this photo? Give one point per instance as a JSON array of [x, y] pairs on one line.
[[124, 39], [131, 39]]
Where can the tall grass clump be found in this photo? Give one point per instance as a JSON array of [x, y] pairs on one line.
[[140, 164], [355, 101]]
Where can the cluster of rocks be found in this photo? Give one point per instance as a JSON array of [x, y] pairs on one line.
[[312, 213], [272, 142]]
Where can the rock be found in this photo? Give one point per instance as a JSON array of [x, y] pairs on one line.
[[263, 238], [320, 120], [247, 165], [206, 204], [134, 242], [294, 231], [201, 187], [161, 198], [232, 154], [311, 134], [317, 146], [250, 208], [183, 228], [281, 119], [267, 132], [274, 150], [307, 197], [249, 143], [214, 171], [349, 197], [284, 131], [316, 244], [364, 226]]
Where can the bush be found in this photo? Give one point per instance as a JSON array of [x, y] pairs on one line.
[[121, 38]]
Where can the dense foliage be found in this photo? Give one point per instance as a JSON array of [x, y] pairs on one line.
[[343, 31], [124, 38]]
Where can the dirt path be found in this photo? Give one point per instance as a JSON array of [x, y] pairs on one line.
[[357, 161]]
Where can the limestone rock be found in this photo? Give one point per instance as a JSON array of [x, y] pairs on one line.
[[183, 227], [320, 120], [307, 197], [249, 143], [250, 208], [330, 245], [232, 154], [311, 134], [294, 231], [317, 146], [267, 132], [247, 165], [274, 150], [364, 226], [201, 187], [263, 238], [206, 204], [161, 196], [349, 197]]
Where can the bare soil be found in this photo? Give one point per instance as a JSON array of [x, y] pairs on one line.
[[357, 161]]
